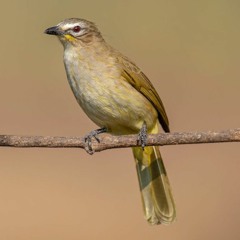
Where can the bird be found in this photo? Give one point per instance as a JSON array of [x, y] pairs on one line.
[[119, 98]]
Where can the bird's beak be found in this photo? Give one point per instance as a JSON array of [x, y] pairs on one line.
[[53, 31]]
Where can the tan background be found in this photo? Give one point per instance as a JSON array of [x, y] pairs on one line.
[[190, 51]]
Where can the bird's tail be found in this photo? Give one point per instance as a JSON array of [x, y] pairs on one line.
[[158, 203]]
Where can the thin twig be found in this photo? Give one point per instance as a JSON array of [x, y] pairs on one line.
[[109, 141]]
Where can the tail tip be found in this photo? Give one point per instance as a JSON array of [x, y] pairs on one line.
[[154, 219]]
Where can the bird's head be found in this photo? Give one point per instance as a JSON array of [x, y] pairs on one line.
[[75, 31]]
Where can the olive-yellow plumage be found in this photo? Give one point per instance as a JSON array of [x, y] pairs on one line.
[[117, 96]]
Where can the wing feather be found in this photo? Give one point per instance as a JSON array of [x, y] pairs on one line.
[[140, 82]]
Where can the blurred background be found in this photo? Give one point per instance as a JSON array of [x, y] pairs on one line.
[[190, 51]]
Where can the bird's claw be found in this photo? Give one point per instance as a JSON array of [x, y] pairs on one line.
[[88, 139], [88, 142], [142, 136]]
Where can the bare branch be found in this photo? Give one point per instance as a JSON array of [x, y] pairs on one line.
[[108, 141]]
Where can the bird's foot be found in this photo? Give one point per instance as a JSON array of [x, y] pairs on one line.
[[142, 136], [88, 139]]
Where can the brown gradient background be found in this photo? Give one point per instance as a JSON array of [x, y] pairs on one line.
[[190, 51]]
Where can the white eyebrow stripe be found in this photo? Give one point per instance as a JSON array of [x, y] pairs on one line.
[[71, 25]]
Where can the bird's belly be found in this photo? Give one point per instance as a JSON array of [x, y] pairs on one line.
[[110, 101]]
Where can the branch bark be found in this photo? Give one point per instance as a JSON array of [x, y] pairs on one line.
[[109, 141]]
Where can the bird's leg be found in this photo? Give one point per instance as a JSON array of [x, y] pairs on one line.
[[89, 136], [142, 136]]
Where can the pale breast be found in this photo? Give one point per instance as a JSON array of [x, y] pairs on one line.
[[105, 96]]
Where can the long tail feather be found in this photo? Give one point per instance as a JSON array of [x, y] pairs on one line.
[[158, 203]]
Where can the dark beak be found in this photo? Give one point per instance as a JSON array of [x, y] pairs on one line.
[[53, 31]]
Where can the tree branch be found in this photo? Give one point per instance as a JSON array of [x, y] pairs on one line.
[[109, 141]]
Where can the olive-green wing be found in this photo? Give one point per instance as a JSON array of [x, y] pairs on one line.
[[140, 82]]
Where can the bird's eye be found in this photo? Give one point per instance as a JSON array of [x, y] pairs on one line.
[[76, 29]]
